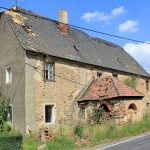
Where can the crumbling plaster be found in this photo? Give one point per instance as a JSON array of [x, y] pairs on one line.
[[71, 79]]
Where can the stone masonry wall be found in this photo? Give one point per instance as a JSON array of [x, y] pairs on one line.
[[70, 81]]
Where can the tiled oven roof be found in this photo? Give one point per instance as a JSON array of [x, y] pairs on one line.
[[108, 88]]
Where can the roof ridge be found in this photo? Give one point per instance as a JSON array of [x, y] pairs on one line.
[[112, 79], [49, 41]]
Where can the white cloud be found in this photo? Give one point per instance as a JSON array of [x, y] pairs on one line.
[[118, 11], [141, 52], [129, 26], [102, 16]]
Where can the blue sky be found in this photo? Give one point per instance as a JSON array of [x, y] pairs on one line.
[[128, 18]]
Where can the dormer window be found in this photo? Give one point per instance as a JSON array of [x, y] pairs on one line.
[[49, 71]]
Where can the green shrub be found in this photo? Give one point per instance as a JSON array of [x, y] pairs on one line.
[[4, 107], [97, 114], [78, 130], [11, 141], [6, 127]]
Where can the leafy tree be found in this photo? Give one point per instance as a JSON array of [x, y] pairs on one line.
[[4, 107]]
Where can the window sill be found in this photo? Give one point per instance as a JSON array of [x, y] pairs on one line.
[[49, 80], [48, 124]]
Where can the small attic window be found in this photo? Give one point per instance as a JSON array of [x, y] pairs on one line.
[[115, 75], [98, 74]]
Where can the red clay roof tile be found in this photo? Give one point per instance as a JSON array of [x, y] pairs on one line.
[[107, 88]]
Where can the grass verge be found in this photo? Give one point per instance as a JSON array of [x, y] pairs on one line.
[[92, 135]]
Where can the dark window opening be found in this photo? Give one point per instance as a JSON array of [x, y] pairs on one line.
[[132, 106], [147, 85], [49, 71], [82, 113], [115, 75], [147, 104], [105, 107], [49, 113], [99, 74]]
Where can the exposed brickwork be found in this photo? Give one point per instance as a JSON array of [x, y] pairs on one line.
[[70, 81]]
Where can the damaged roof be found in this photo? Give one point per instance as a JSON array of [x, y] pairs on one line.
[[42, 35], [108, 88]]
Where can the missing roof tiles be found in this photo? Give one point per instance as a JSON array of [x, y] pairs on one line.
[[16, 17], [28, 29], [76, 47]]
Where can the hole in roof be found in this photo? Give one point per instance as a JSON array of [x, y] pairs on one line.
[[119, 60], [28, 30], [76, 47]]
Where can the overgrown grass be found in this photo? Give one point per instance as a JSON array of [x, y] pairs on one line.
[[129, 129], [61, 143], [92, 135], [30, 144]]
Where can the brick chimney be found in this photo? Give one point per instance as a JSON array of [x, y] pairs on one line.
[[63, 21]]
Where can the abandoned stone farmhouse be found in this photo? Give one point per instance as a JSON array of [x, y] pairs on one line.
[[56, 74]]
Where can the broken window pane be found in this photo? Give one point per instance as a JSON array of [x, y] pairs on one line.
[[49, 71]]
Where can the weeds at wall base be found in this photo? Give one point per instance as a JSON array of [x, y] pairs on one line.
[[92, 135]]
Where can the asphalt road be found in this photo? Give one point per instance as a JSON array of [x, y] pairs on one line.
[[141, 142]]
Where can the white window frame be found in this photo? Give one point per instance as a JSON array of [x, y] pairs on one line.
[[81, 115], [49, 71], [53, 113], [11, 123], [8, 76]]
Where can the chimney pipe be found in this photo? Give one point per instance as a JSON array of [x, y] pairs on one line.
[[63, 21]]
